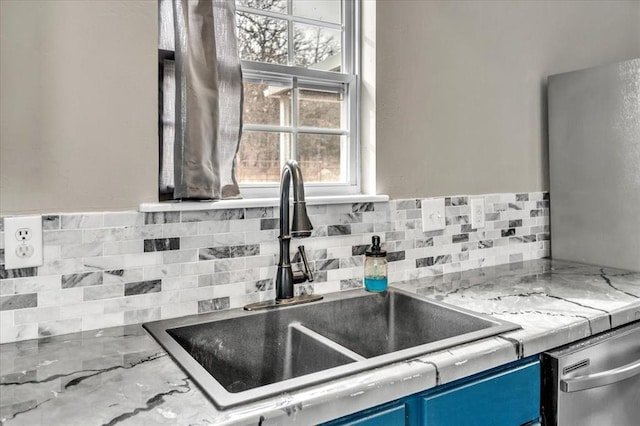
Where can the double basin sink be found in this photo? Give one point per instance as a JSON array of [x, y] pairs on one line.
[[238, 357]]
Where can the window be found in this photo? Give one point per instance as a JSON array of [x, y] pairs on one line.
[[300, 94]]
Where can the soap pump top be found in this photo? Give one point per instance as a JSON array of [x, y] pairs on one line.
[[376, 250]]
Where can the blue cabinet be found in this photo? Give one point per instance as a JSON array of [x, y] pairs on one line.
[[506, 398], [507, 395], [396, 414]]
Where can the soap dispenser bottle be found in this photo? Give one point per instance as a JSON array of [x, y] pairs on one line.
[[375, 267]]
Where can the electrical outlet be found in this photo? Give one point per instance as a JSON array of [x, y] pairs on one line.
[[22, 242], [23, 234], [24, 251], [433, 218], [477, 213]]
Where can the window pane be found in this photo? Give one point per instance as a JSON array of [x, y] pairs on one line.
[[320, 109], [259, 156], [327, 10], [262, 39], [320, 157], [317, 47], [272, 5], [267, 103]]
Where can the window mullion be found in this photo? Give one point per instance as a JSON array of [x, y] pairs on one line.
[[298, 19], [294, 119], [290, 32]]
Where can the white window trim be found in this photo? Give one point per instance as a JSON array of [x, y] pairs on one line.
[[176, 206]]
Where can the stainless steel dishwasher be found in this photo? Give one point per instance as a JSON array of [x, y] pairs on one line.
[[595, 381]]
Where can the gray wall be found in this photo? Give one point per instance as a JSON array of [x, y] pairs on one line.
[[78, 107], [459, 95], [460, 92], [594, 144]]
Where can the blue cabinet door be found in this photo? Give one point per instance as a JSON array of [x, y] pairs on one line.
[[394, 415], [508, 398]]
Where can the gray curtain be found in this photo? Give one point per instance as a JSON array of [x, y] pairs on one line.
[[198, 161]]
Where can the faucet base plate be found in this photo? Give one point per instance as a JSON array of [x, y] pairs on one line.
[[297, 300]]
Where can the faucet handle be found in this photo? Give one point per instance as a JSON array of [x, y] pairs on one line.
[[306, 275]]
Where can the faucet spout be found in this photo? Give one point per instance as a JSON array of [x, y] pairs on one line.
[[300, 228]]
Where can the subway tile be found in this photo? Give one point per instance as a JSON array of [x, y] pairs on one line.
[[214, 253], [145, 232], [142, 287], [50, 222], [130, 218], [179, 256], [395, 256], [82, 279], [36, 315], [19, 301], [180, 229], [89, 235], [219, 278], [229, 239], [334, 230], [508, 232], [17, 333], [7, 287], [17, 273], [260, 285], [460, 238], [210, 305], [161, 271], [175, 310], [122, 275], [406, 204], [161, 218], [138, 316], [92, 322], [303, 289], [456, 201], [69, 251], [245, 225], [103, 292], [362, 207], [37, 284], [351, 284], [324, 265], [82, 221], [123, 247], [259, 212], [243, 275], [269, 223], [161, 244], [61, 297]]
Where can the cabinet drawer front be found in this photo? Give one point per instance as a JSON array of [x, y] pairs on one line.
[[509, 398]]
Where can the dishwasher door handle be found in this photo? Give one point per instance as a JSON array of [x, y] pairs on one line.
[[602, 378]]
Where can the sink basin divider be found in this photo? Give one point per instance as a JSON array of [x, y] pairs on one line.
[[325, 341]]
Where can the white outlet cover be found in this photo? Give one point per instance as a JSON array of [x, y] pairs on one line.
[[477, 213], [433, 218], [12, 245]]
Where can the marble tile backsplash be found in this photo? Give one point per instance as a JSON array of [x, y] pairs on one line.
[[117, 268]]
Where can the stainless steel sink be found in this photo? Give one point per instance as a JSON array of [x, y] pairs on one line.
[[238, 357]]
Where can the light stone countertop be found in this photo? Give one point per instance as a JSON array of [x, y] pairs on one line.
[[122, 376]]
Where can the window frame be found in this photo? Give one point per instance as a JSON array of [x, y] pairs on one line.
[[307, 78]]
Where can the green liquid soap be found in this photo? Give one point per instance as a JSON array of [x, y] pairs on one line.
[[375, 284]]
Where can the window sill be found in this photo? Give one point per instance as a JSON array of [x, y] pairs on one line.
[[177, 206]]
